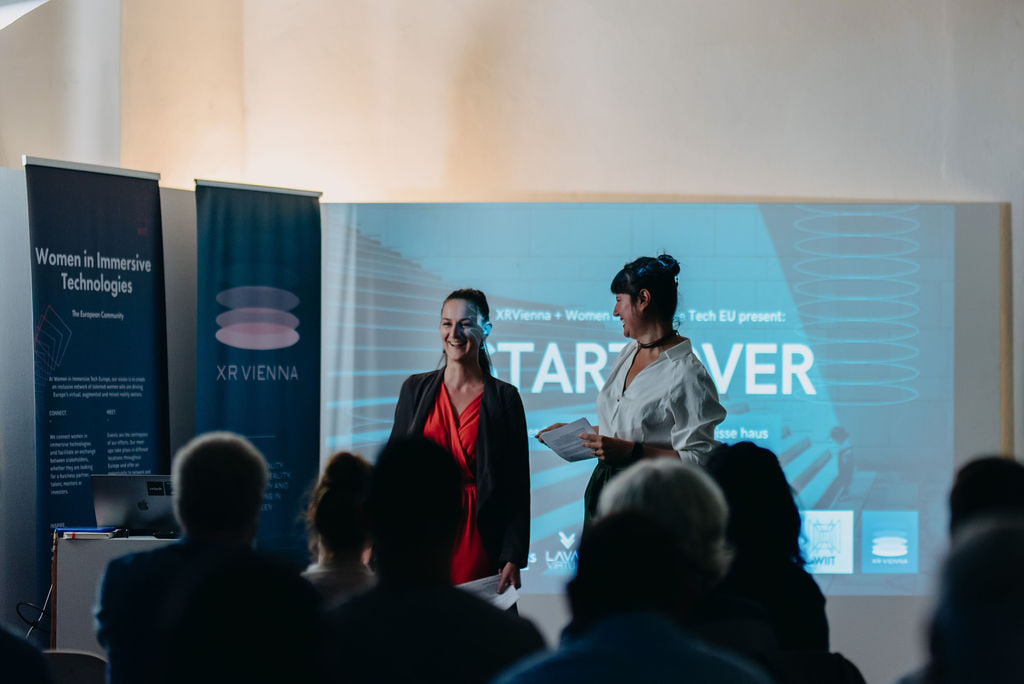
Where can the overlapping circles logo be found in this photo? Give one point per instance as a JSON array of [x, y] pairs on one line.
[[258, 318]]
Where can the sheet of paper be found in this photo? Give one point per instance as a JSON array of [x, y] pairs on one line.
[[565, 441], [486, 588]]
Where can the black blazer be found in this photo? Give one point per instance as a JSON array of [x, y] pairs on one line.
[[502, 460]]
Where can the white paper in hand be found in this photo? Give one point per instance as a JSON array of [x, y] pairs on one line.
[[565, 440], [486, 588]]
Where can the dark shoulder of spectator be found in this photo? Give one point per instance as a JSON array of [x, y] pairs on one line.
[[20, 661]]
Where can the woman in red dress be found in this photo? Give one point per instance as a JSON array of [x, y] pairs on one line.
[[480, 420]]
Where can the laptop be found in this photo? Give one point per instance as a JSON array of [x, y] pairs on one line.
[[140, 504]]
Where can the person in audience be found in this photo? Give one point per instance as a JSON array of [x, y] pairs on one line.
[[764, 530], [985, 490], [20, 661], [688, 503], [480, 420], [978, 626], [217, 482], [990, 485], [339, 529], [413, 625], [659, 399], [684, 499], [633, 581], [243, 617]]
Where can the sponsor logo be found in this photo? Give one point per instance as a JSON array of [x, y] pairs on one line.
[[531, 558], [258, 318], [562, 562], [827, 541], [567, 540], [256, 373], [889, 542]]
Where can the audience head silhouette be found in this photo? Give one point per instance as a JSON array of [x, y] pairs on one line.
[[217, 483], [986, 486], [415, 503], [244, 618], [764, 522], [336, 520], [979, 620], [685, 501], [609, 581]]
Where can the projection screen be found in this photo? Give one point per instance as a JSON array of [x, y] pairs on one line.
[[859, 342]]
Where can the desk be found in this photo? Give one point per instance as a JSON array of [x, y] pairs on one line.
[[79, 565]]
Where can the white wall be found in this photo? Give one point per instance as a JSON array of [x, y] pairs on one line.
[[17, 412], [404, 100], [60, 83], [181, 89]]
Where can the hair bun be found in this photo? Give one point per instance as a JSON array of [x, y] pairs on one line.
[[669, 263], [335, 472]]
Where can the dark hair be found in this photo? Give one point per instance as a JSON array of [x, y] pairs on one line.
[[609, 580], [218, 480], [336, 517], [479, 300], [992, 485], [657, 276], [415, 504], [764, 522]]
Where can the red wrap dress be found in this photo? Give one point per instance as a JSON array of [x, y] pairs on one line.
[[458, 434]]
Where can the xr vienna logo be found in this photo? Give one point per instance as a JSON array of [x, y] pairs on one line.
[[258, 318]]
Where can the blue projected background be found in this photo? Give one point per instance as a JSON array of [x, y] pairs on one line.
[[828, 330]]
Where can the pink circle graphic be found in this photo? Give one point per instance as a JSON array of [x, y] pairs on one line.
[[257, 296], [258, 336], [236, 316], [257, 318]]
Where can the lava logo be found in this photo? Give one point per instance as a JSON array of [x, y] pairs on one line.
[[561, 562], [827, 541], [567, 541], [258, 318], [889, 542]]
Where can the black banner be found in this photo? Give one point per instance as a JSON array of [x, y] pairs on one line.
[[258, 348], [99, 333]]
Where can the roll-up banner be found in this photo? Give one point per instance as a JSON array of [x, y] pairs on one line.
[[258, 348], [99, 332]]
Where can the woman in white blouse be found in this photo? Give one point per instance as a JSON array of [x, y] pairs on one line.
[[659, 399]]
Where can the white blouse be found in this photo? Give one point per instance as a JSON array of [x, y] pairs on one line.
[[670, 404]]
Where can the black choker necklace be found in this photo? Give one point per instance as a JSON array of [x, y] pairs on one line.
[[658, 342]]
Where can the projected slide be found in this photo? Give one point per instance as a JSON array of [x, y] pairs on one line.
[[828, 330]]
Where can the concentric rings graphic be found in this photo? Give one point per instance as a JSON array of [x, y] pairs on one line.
[[258, 318], [859, 307], [832, 289], [853, 267], [850, 309]]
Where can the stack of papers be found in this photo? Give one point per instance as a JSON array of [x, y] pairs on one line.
[[487, 589], [565, 440]]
